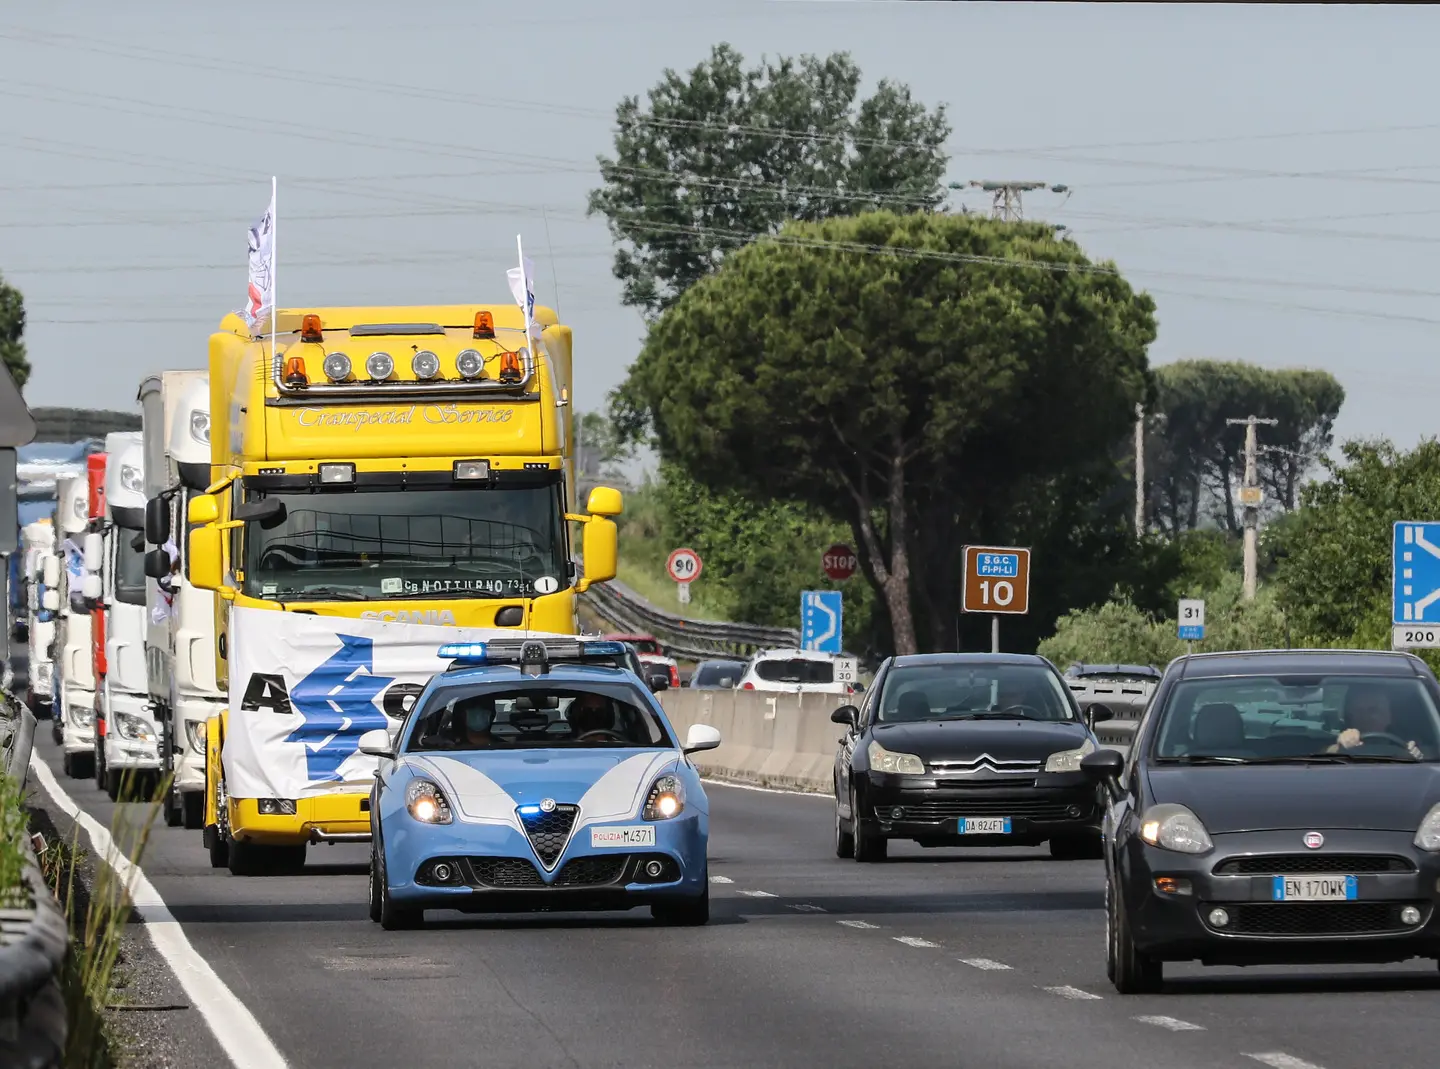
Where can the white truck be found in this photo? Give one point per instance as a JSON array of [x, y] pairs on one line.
[[180, 640], [39, 565], [74, 726], [127, 739]]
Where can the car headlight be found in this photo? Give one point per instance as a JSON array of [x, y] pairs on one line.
[[200, 426], [883, 760], [666, 798], [132, 478], [1428, 837], [1068, 760], [1173, 827], [427, 803], [133, 727]]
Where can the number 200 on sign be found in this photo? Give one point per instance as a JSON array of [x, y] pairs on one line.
[[1410, 637]]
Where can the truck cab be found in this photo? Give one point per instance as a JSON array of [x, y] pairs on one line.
[[41, 602], [74, 666]]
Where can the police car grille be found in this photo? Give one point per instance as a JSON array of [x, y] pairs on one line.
[[591, 871], [506, 872], [1304, 864], [1310, 919], [549, 832]]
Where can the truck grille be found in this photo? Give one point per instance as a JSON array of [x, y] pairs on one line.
[[1303, 864], [549, 832], [1309, 919]]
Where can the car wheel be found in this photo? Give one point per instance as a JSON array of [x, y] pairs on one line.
[[395, 918], [870, 846], [686, 912], [1134, 973], [844, 840], [374, 888], [1109, 934]]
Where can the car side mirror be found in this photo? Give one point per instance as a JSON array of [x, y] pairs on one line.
[[157, 564], [658, 683], [377, 743], [157, 521], [701, 737], [1098, 714], [847, 715], [1104, 767]]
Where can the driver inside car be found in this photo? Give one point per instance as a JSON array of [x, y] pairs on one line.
[[591, 713], [1368, 712]]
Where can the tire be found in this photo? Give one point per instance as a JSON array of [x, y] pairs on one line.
[[112, 785], [66, 766], [375, 903], [218, 846], [869, 845], [99, 762], [1076, 847], [687, 913], [395, 918], [192, 810], [844, 840], [81, 765], [1132, 972], [173, 815]]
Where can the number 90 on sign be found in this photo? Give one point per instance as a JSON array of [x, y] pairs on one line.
[[683, 565], [1416, 637]]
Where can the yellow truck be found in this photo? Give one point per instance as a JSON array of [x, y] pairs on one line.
[[381, 477]]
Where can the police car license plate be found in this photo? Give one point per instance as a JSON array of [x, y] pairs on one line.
[[1314, 888], [983, 826], [633, 835]]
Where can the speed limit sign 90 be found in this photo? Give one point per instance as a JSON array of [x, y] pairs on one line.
[[683, 565]]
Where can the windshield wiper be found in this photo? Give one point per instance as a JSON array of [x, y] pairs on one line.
[[1332, 759], [1203, 759], [988, 715], [311, 593]]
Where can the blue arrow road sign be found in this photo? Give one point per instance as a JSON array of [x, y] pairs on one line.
[[1416, 578], [821, 615]]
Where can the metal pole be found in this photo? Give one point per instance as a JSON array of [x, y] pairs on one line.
[[1139, 471], [995, 633], [1251, 514]]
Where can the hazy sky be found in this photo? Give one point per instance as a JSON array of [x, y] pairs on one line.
[[1268, 173]]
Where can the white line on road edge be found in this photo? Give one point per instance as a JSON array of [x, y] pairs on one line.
[[858, 924], [709, 781], [721, 879], [913, 941], [1280, 1060], [983, 963], [759, 894], [235, 1027], [1066, 991], [806, 907], [1171, 1023]]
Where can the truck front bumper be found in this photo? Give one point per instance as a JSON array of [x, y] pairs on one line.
[[341, 817]]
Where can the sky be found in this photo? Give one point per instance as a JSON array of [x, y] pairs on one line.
[[1268, 174]]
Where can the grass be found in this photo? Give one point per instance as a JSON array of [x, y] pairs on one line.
[[643, 553], [14, 828]]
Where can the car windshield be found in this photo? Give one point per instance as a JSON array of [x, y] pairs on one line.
[[539, 715], [1263, 719], [129, 568], [720, 674], [470, 542], [795, 670], [972, 691]]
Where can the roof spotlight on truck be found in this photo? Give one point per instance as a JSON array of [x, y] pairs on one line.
[[336, 367], [380, 366], [425, 364], [470, 363]]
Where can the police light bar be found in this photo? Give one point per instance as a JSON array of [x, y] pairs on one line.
[[529, 651]]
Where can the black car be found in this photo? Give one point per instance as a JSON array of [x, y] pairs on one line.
[[717, 675], [1276, 808], [959, 749]]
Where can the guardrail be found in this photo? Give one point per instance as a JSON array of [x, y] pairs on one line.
[[17, 738], [684, 637]]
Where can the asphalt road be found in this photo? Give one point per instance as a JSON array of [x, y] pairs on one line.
[[941, 958]]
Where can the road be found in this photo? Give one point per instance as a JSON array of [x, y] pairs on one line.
[[940, 958]]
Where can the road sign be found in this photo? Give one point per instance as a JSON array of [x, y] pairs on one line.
[[1251, 496], [683, 565], [1192, 619], [997, 580], [839, 562], [821, 619], [1415, 581]]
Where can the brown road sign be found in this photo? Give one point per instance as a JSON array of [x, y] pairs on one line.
[[997, 580]]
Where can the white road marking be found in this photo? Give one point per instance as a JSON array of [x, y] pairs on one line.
[[1280, 1060], [806, 907], [721, 879], [823, 796], [1066, 991], [240, 1035], [858, 924], [984, 963], [1172, 1023], [759, 894], [913, 941]]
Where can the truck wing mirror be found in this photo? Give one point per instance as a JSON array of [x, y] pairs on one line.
[[268, 512], [157, 521], [157, 564]]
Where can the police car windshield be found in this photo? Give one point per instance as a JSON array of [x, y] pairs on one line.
[[537, 715]]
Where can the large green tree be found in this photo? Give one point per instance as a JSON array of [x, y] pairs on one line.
[[926, 379], [725, 152], [12, 333]]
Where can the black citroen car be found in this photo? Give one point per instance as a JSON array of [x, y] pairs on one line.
[[960, 749], [1276, 808]]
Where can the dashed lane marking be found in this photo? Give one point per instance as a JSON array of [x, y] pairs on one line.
[[759, 894], [1172, 1023], [721, 879], [1066, 991], [806, 907], [858, 924], [914, 941], [984, 963], [1281, 1060]]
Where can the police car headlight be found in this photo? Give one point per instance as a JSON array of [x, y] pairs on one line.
[[666, 798], [427, 803], [135, 728], [1068, 760], [1173, 827], [1428, 837]]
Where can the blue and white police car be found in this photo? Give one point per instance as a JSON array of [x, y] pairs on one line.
[[537, 775]]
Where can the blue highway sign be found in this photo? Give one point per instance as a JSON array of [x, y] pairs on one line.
[[999, 565], [1416, 579], [821, 617]]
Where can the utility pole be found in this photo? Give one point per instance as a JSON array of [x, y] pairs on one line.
[[1139, 470], [1250, 498], [1005, 199]]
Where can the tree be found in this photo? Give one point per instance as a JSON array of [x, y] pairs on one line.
[[725, 153], [12, 331], [598, 449], [921, 395]]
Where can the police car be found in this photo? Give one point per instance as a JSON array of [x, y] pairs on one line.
[[537, 776]]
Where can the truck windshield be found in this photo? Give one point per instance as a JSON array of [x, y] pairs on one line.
[[396, 544], [129, 568]]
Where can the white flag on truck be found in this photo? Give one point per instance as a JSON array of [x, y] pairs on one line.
[[260, 299], [522, 287]]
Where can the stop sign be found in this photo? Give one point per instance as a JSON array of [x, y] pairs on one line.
[[839, 562]]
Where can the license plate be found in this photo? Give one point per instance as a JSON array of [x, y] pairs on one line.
[[1314, 888], [634, 835], [983, 826]]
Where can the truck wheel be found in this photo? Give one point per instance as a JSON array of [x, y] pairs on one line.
[[219, 848], [244, 858], [192, 810], [82, 765], [173, 815], [112, 785]]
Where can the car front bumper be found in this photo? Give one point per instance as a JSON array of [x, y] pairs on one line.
[[494, 870], [1177, 925], [929, 810]]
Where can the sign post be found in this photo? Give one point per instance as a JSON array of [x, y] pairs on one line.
[[997, 581], [839, 562], [684, 566], [822, 617], [1415, 582], [1191, 619]]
